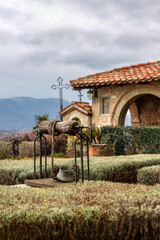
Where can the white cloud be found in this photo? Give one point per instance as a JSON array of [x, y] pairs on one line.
[[42, 40]]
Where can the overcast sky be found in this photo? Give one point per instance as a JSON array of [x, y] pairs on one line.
[[41, 40]]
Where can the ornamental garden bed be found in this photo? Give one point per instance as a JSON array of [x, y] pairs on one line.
[[91, 211], [149, 175], [95, 210], [114, 168]]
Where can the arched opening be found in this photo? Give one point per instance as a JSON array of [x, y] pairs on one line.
[[132, 116], [144, 106], [145, 111], [128, 119], [71, 139], [77, 119]]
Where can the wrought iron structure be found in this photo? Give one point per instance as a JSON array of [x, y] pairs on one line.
[[60, 86], [40, 138], [81, 136], [15, 148]]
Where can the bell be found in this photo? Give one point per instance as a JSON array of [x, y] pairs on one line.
[[65, 175]]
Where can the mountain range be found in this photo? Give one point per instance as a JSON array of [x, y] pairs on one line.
[[18, 113]]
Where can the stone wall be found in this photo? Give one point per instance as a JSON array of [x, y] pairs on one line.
[[121, 98]]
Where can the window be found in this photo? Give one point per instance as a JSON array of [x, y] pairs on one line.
[[105, 105]]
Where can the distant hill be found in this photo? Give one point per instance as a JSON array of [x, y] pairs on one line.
[[18, 113]]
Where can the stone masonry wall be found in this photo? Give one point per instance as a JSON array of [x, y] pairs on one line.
[[121, 98]]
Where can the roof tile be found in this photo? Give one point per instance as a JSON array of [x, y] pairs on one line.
[[83, 105], [129, 74]]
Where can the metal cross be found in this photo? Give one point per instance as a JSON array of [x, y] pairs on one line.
[[60, 86], [80, 95]]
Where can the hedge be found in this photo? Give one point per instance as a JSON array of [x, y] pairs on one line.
[[121, 168], [131, 140], [116, 169], [26, 149], [92, 211], [5, 150], [149, 175], [16, 171]]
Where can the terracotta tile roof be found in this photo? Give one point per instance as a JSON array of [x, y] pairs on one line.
[[143, 72], [82, 107]]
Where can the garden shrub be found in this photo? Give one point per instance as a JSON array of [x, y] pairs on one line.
[[92, 211], [16, 171], [119, 171], [26, 149], [149, 175], [131, 140], [18, 174], [5, 150], [59, 155], [116, 169], [60, 144], [113, 137]]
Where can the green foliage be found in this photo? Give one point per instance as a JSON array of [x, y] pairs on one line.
[[91, 211], [5, 149], [96, 134], [149, 175], [116, 169], [38, 119], [113, 137], [131, 140], [60, 155]]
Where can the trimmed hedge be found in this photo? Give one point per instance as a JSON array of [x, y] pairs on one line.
[[116, 169], [92, 211], [131, 140], [26, 149], [149, 175], [16, 171], [121, 169], [5, 150]]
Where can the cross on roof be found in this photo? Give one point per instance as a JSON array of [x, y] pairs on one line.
[[80, 95], [60, 86]]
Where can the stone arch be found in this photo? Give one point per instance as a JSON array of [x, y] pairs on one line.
[[127, 99], [76, 117], [78, 120]]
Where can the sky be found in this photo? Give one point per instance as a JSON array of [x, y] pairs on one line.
[[41, 40]]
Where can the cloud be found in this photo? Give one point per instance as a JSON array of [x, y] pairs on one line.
[[7, 12], [42, 40]]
